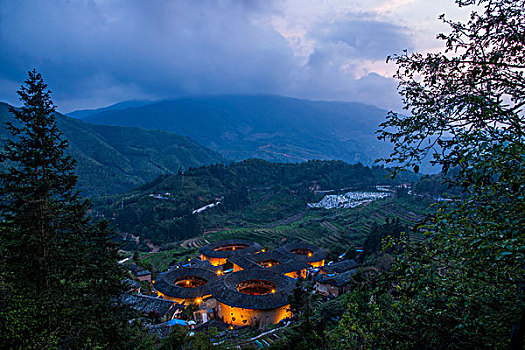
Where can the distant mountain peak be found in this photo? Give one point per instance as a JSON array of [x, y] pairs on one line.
[[276, 128], [84, 113]]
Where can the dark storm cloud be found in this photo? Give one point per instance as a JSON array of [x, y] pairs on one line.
[[367, 38], [93, 53]]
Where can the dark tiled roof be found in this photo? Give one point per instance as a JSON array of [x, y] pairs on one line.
[[271, 254], [336, 280], [146, 304], [244, 262], [340, 267], [286, 263], [290, 266], [142, 273], [131, 284], [318, 254], [204, 265], [225, 290], [209, 250], [165, 282]]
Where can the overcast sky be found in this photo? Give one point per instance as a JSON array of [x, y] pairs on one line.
[[93, 53]]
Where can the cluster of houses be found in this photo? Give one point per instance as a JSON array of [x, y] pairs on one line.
[[239, 283]]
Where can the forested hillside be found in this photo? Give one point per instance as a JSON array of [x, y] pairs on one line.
[[115, 159], [251, 193]]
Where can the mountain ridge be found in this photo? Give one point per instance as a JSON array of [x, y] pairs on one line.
[[84, 113], [113, 159], [269, 127]]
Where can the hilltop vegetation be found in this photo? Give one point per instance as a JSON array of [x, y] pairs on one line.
[[114, 159], [252, 193]]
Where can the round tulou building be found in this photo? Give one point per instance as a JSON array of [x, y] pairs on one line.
[[218, 253], [185, 285], [256, 297], [305, 252], [256, 292]]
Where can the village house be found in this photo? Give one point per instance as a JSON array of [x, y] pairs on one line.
[[333, 285], [140, 273]]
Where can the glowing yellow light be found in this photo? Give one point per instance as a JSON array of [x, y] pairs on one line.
[[263, 250], [219, 272], [189, 259], [153, 281], [198, 301], [309, 254], [231, 327], [187, 282], [233, 248], [269, 265], [273, 291]]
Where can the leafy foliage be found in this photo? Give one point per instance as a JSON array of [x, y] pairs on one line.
[[464, 287], [379, 232]]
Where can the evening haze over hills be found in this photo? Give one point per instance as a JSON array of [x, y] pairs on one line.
[[254, 174], [274, 128], [238, 51]]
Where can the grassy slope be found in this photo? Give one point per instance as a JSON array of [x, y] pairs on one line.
[[255, 194]]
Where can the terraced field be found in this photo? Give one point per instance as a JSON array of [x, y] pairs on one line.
[[334, 230], [261, 341], [195, 242]]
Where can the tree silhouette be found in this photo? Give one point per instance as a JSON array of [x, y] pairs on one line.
[[58, 268]]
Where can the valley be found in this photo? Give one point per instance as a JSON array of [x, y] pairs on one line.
[[261, 201]]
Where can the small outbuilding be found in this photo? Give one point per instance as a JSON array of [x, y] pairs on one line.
[[331, 285], [151, 306], [140, 273], [339, 267]]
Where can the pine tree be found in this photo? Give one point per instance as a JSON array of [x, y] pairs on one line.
[[58, 269]]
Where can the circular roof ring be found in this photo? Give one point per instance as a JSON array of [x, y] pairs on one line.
[[232, 247], [186, 283], [303, 251], [258, 289]]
